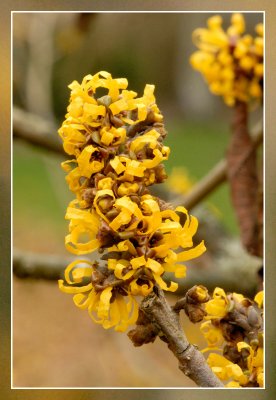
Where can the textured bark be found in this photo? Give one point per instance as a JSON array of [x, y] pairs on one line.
[[191, 361], [243, 179]]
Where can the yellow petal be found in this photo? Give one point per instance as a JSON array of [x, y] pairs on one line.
[[118, 106], [212, 335], [104, 302], [138, 262], [173, 285], [135, 168], [218, 306], [119, 270], [259, 298], [82, 271], [73, 289], [149, 138], [192, 253], [158, 157], [105, 183], [117, 165], [122, 219], [101, 194], [94, 110], [82, 301], [87, 167], [73, 245], [243, 345], [140, 290], [124, 245], [155, 266]]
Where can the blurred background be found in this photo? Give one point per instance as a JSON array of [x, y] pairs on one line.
[[55, 344]]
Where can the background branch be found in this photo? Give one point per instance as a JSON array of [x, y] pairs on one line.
[[216, 176], [39, 266], [36, 130], [239, 274]]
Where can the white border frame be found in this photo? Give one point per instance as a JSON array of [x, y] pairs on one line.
[[263, 12]]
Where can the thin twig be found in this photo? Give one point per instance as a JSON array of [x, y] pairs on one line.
[[191, 361], [39, 266], [215, 177]]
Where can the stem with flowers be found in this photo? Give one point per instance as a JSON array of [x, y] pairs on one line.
[[115, 140], [117, 144], [232, 64]]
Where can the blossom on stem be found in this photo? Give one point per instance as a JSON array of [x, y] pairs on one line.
[[230, 61], [116, 143], [234, 327]]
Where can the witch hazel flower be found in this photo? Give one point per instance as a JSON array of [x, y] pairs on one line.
[[231, 61], [115, 140], [234, 326]]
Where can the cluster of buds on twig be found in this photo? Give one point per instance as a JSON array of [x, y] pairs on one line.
[[232, 323], [193, 303], [230, 61], [116, 141]]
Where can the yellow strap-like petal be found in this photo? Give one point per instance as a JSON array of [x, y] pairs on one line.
[[117, 165], [140, 290], [73, 289], [83, 271], [104, 304], [119, 270], [155, 266], [81, 248], [138, 262], [101, 194], [87, 167], [82, 301], [149, 138], [192, 253], [259, 298], [122, 219], [173, 285]]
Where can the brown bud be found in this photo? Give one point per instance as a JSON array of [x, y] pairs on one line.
[[254, 318], [195, 312], [96, 137], [104, 100], [160, 174], [231, 333], [89, 194], [97, 277], [232, 354], [143, 334], [111, 214], [117, 122], [105, 204], [198, 294]]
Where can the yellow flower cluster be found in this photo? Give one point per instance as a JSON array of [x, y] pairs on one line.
[[230, 61], [234, 323], [116, 141]]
